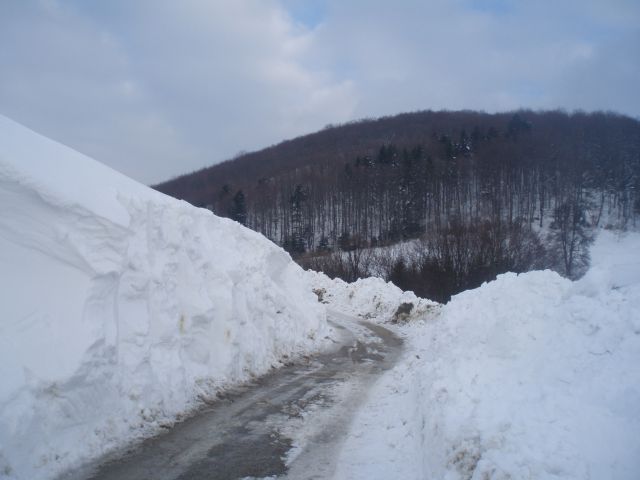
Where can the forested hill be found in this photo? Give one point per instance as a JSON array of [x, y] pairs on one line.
[[391, 178]]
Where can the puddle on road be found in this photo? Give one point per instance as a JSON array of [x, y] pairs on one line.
[[229, 462]]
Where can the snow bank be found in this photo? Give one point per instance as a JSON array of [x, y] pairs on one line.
[[122, 307], [370, 298], [533, 376], [529, 376]]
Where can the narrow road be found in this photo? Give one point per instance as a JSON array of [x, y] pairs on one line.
[[288, 424]]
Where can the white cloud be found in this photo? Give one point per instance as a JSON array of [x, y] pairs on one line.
[[156, 89], [159, 88], [443, 54]]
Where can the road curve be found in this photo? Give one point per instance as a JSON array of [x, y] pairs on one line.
[[288, 424]]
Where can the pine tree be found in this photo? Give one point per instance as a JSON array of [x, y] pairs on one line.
[[239, 208]]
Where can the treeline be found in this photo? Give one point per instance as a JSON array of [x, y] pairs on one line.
[[442, 262], [429, 175]]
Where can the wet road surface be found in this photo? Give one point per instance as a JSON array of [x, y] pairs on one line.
[[288, 424]]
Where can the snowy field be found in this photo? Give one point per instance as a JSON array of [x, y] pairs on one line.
[[529, 376]]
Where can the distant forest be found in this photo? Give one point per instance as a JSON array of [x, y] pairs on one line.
[[507, 184]]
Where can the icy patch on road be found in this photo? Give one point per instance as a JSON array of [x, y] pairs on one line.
[[386, 437], [322, 425]]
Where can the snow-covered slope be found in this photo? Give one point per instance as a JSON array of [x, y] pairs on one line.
[[529, 376], [121, 307]]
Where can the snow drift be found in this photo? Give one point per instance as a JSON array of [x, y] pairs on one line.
[[370, 298], [121, 307], [529, 376]]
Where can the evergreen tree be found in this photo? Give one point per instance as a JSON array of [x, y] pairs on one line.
[[239, 208]]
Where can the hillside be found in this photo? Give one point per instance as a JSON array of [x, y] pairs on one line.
[[513, 164], [499, 182]]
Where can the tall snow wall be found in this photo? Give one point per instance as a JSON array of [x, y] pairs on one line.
[[121, 307]]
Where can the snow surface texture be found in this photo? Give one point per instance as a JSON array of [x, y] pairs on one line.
[[371, 299], [122, 307], [529, 376]]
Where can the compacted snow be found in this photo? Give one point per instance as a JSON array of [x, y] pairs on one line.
[[122, 307], [529, 376]]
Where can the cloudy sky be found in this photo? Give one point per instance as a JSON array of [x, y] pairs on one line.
[[156, 88]]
